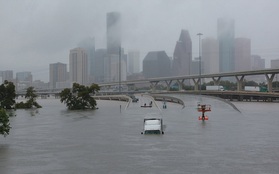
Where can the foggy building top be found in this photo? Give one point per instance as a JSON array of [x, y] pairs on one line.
[[225, 31], [156, 64], [89, 45], [182, 56], [113, 32], [210, 55], [242, 54]]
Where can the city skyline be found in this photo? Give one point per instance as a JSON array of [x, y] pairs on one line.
[[37, 33]]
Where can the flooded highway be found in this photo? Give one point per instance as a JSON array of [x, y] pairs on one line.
[[109, 140]]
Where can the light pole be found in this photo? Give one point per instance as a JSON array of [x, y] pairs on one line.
[[200, 34], [119, 70]]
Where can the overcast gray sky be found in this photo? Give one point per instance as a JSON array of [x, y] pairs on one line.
[[35, 33]]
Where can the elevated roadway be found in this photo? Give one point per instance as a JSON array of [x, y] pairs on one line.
[[239, 76]]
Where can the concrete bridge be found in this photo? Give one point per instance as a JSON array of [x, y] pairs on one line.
[[239, 76], [239, 94]]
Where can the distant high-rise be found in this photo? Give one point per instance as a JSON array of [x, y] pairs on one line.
[[78, 66], [100, 56], [113, 32], [274, 63], [182, 56], [133, 62], [7, 75], [257, 63], [23, 80], [242, 53], [57, 73], [210, 55], [115, 68], [156, 64], [89, 45], [112, 60], [226, 44]]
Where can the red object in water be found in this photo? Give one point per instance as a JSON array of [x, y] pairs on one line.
[[205, 118]]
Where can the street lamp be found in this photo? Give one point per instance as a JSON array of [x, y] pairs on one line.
[[119, 70], [200, 34]]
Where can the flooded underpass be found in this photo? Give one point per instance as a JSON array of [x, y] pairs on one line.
[[109, 140]]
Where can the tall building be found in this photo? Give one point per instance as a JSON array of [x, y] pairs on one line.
[[210, 55], [113, 32], [225, 32], [133, 62], [118, 65], [89, 45], [7, 75], [257, 62], [100, 56], [195, 66], [23, 80], [274, 64], [156, 64], [242, 53], [112, 61], [182, 56], [57, 73], [78, 66]]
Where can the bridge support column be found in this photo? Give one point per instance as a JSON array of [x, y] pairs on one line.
[[216, 81], [180, 84], [196, 82], [153, 85], [269, 81], [131, 87], [168, 84], [239, 82]]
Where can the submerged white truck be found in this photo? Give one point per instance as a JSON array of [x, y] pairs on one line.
[[153, 126], [214, 88]]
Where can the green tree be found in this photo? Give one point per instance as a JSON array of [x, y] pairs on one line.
[[4, 123], [31, 96], [7, 95], [79, 97]]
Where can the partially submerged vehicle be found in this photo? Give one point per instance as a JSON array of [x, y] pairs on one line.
[[134, 99], [152, 126]]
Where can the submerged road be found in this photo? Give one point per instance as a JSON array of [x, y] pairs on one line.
[[108, 140]]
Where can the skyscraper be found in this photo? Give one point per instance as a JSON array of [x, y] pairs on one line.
[[23, 80], [57, 73], [156, 64], [100, 56], [226, 44], [113, 60], [210, 55], [257, 62], [274, 63], [242, 54], [7, 75], [182, 56], [133, 62], [78, 66], [89, 45], [113, 32]]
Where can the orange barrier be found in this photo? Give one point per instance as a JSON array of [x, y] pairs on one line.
[[205, 118]]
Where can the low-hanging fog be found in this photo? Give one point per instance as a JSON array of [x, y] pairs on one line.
[[35, 33]]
